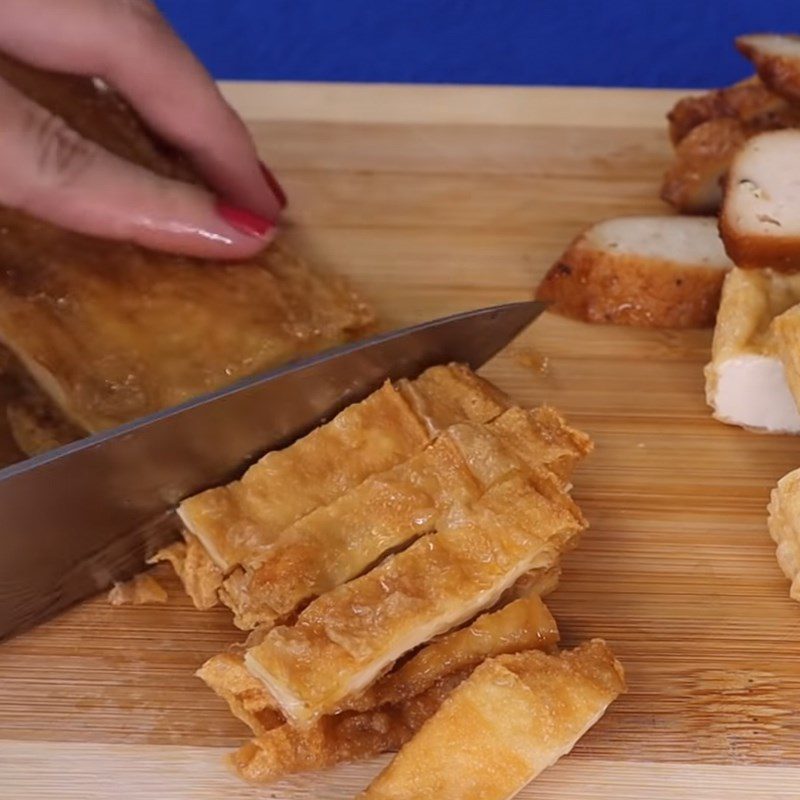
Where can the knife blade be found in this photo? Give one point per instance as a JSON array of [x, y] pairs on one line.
[[76, 519]]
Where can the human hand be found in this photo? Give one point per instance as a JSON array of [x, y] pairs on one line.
[[50, 171]]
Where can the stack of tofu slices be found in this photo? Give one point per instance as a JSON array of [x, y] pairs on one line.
[[389, 567]]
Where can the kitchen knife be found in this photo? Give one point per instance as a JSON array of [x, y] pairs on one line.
[[76, 519]]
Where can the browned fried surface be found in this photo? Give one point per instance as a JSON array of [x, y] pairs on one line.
[[112, 331], [748, 101], [437, 583], [512, 718], [693, 184], [780, 73]]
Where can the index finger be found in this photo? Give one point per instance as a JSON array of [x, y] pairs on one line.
[[130, 45]]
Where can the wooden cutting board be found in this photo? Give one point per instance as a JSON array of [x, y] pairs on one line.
[[436, 200]]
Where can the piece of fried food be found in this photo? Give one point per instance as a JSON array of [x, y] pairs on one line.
[[760, 219], [512, 718], [337, 542], [348, 637], [521, 625], [200, 576], [746, 380], [111, 331], [141, 590], [693, 184], [784, 528], [663, 272], [236, 522], [777, 61], [748, 101]]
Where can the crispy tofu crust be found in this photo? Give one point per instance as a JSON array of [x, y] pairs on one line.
[[777, 61], [200, 576], [238, 521], [111, 331], [339, 541], [604, 278], [784, 528], [748, 101], [512, 718], [345, 639]]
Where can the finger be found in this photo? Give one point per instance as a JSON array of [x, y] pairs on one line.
[[130, 45], [49, 171]]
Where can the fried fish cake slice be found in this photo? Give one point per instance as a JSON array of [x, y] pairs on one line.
[[512, 718], [521, 625], [348, 637], [236, 522], [337, 542]]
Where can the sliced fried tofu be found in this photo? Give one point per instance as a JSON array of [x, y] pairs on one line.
[[663, 272], [389, 712], [512, 718], [746, 381], [777, 61], [348, 637], [748, 101], [522, 625], [339, 541], [784, 528], [236, 522], [693, 184], [760, 219]]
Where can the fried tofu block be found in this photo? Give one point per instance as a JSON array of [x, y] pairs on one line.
[[662, 272], [511, 719], [141, 590], [349, 736], [777, 61], [693, 184], [760, 219], [337, 542], [784, 528], [746, 380], [541, 582], [348, 637], [236, 522], [111, 331], [748, 101], [200, 576]]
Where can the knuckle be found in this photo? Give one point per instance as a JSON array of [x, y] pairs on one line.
[[62, 155]]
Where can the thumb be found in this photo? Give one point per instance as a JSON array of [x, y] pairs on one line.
[[51, 172]]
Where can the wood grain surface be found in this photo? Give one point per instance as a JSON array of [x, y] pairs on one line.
[[436, 200]]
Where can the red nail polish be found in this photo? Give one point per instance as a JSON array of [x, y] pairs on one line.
[[273, 184], [244, 221]]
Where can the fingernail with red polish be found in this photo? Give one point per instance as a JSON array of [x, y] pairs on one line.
[[273, 184], [245, 221]]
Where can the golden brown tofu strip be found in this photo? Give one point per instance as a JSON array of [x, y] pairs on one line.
[[337, 542], [521, 625], [343, 640], [512, 718], [236, 522]]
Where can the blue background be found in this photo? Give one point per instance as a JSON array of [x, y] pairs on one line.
[[613, 42]]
